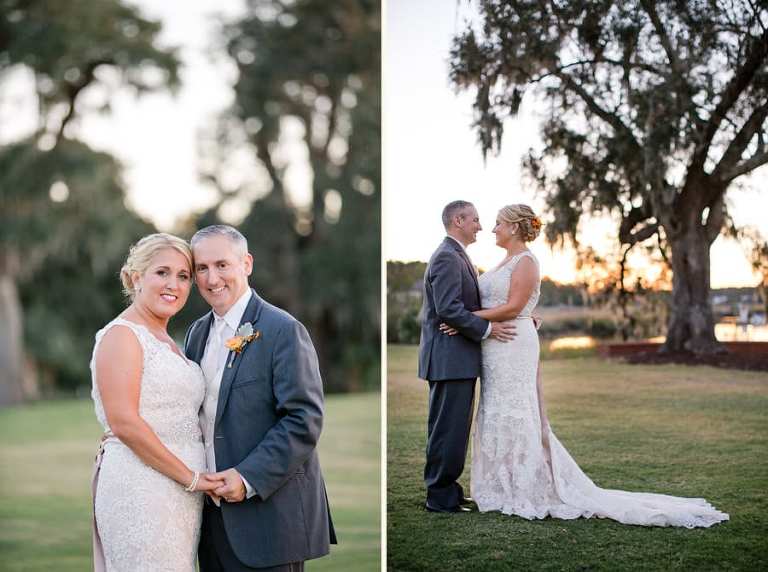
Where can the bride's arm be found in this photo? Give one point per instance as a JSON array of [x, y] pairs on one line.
[[521, 285], [118, 375]]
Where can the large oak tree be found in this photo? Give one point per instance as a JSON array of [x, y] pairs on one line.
[[657, 107]]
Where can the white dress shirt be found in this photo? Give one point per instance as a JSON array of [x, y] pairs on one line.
[[464, 248], [213, 363]]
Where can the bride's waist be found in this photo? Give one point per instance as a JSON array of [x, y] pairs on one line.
[[173, 442]]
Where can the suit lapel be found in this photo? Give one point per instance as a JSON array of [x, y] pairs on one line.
[[197, 343], [251, 314], [457, 247]]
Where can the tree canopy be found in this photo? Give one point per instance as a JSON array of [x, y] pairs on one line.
[[654, 111], [64, 226], [307, 103]]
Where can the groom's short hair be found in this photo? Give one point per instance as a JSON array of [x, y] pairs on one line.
[[234, 235], [451, 210]]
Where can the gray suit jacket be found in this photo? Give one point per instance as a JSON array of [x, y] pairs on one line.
[[268, 421], [451, 294]]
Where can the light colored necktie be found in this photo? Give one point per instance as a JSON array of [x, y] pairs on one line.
[[211, 362]]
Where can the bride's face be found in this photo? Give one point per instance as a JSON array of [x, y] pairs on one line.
[[506, 232], [165, 284]]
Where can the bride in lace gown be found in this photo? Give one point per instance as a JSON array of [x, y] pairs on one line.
[[147, 476], [518, 465]]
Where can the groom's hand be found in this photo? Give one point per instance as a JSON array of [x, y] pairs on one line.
[[233, 489], [502, 331], [446, 329]]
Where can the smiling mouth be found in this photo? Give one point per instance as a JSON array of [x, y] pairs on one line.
[[216, 290], [169, 297]]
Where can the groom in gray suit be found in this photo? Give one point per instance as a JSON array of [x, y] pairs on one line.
[[451, 364], [261, 420]]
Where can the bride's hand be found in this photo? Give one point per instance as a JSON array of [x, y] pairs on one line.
[[206, 483], [446, 329]]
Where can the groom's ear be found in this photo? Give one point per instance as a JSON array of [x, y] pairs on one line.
[[248, 261]]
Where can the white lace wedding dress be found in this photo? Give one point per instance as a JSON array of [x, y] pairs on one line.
[[512, 470], [146, 521]]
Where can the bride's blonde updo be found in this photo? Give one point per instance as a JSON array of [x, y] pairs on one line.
[[141, 254], [530, 224]]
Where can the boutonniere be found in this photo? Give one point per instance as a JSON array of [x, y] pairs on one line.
[[244, 335]]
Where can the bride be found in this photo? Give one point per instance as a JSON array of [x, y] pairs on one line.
[[518, 465], [148, 476]]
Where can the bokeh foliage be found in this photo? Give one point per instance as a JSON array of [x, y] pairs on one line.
[[309, 74], [65, 228]]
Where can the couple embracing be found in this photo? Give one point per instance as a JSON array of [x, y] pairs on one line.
[[208, 454], [484, 327]]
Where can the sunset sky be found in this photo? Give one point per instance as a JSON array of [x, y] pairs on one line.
[[431, 156]]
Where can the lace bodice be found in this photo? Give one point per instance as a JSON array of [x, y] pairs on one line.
[[494, 285], [172, 387]]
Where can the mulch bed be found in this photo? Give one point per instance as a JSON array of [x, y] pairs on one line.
[[750, 356], [729, 360]]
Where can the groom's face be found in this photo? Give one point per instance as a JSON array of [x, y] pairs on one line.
[[468, 223], [221, 272]]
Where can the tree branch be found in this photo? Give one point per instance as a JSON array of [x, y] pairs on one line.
[[73, 91], [262, 152], [674, 62], [662, 247], [635, 216], [715, 218], [740, 142], [643, 234], [757, 160], [624, 65], [756, 13], [739, 82], [610, 118]]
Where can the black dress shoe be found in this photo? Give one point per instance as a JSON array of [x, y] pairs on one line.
[[459, 508], [467, 500]]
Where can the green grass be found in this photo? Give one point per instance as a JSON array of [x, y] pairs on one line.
[[46, 451], [688, 431]]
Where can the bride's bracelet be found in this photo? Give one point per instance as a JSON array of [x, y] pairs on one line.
[[193, 484]]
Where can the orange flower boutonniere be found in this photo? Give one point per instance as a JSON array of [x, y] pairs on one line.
[[244, 335]]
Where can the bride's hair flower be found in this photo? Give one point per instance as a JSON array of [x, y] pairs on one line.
[[536, 223]]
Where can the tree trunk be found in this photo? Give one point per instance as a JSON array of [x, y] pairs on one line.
[[691, 323], [11, 349]]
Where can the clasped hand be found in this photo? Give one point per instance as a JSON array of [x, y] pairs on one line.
[[502, 331], [227, 485]]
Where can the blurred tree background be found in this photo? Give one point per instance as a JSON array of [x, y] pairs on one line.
[[306, 109]]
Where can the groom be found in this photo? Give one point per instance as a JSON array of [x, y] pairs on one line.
[[261, 419], [451, 364]]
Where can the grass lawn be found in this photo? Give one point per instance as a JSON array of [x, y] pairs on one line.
[[687, 431], [46, 451]]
